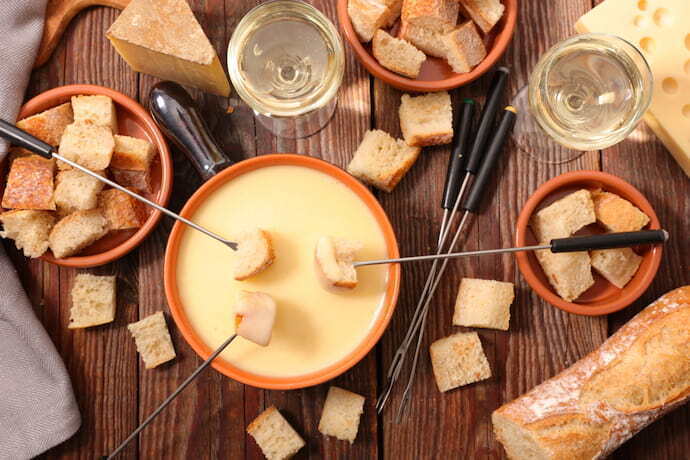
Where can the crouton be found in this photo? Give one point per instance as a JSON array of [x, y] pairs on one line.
[[153, 340], [484, 303], [76, 191], [256, 314], [77, 231], [88, 145], [569, 273], [254, 253], [617, 214], [464, 48], [427, 40], [436, 15], [427, 119], [121, 210], [132, 154], [29, 229], [486, 13], [367, 16], [397, 55], [135, 180], [458, 360], [93, 301], [30, 184], [96, 109], [564, 217], [382, 161], [341, 413], [49, 125], [618, 265], [274, 435], [334, 261]]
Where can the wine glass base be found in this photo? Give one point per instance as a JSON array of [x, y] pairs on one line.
[[532, 141]]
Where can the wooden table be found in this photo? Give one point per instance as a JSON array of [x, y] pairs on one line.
[[208, 421]]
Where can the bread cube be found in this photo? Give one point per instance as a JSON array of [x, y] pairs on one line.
[[570, 273], [132, 154], [394, 10], [49, 125], [617, 214], [618, 265], [76, 191], [88, 145], [254, 253], [29, 229], [397, 55], [77, 231], [153, 340], [341, 413], [121, 210], [486, 13], [93, 301], [564, 217], [334, 261], [458, 360], [30, 184], [484, 303], [96, 109], [427, 40], [436, 15], [135, 180], [427, 119], [367, 16], [464, 48], [274, 435], [382, 161], [255, 314]]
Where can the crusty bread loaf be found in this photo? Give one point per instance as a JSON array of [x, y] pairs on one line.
[[49, 125], [397, 55], [367, 16], [618, 265], [132, 153], [341, 413], [87, 144], [95, 109], [274, 435], [436, 15], [29, 229], [254, 253], [564, 217], [617, 214], [30, 184], [427, 40], [427, 119], [464, 47], [76, 191], [93, 301], [484, 303], [591, 408], [486, 13], [153, 340]]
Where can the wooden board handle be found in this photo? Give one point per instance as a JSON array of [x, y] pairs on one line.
[[59, 13]]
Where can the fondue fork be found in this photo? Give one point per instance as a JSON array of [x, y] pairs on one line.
[[23, 139]]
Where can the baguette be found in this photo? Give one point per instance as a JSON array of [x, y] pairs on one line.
[[590, 409]]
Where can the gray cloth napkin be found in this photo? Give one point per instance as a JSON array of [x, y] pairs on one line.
[[37, 405]]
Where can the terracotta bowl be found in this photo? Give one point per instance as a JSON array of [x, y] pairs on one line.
[[436, 74], [602, 298], [133, 120], [177, 308]]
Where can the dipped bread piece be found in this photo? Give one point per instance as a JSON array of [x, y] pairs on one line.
[[335, 259], [254, 253], [255, 314]]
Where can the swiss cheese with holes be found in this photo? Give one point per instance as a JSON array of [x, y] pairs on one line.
[[661, 30]]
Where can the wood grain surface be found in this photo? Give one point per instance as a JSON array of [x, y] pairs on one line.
[[209, 419]]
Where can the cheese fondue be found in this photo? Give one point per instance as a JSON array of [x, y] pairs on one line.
[[314, 327]]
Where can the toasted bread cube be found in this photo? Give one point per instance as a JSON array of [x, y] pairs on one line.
[[429, 41], [570, 273], [30, 184], [427, 119], [132, 154], [121, 210], [49, 125], [397, 55], [564, 217], [76, 191], [254, 253], [464, 48], [153, 340], [88, 145], [335, 259], [341, 413], [394, 10], [486, 13], [274, 435], [618, 265], [139, 181], [367, 16], [382, 161], [29, 229], [77, 231], [17, 152], [93, 301], [96, 109], [256, 314], [484, 303], [436, 15], [458, 360], [617, 214]]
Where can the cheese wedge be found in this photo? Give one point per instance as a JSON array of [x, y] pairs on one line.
[[164, 39], [660, 29]]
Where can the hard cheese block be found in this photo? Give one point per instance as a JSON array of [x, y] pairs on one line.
[[164, 39], [661, 29]]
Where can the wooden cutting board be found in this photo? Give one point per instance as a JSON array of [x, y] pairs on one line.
[[59, 13]]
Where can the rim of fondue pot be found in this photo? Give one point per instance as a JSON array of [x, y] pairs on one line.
[[300, 381]]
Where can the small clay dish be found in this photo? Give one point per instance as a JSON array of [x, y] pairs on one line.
[[133, 120], [436, 74], [603, 297]]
